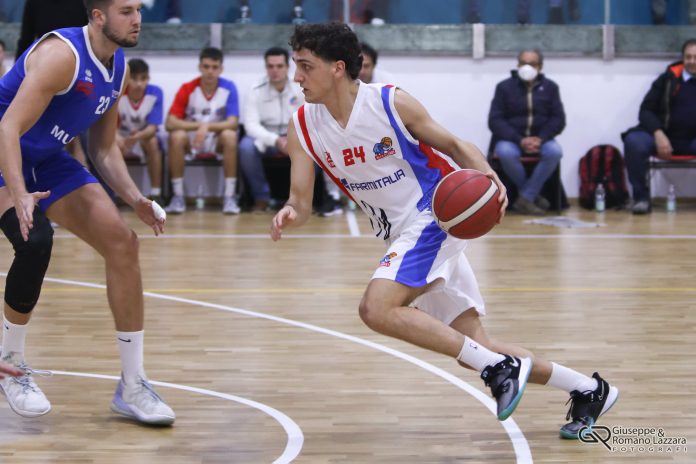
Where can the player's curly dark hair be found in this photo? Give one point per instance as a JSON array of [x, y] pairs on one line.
[[330, 42]]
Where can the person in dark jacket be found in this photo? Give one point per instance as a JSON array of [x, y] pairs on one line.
[[526, 115], [42, 16], [667, 124]]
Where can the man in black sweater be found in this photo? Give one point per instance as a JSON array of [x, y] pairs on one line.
[[667, 124], [42, 16]]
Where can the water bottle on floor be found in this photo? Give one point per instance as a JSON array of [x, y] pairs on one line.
[[600, 198], [200, 199], [671, 199]]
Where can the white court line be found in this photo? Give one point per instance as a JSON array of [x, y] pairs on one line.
[[517, 438], [487, 237], [352, 224], [295, 436]]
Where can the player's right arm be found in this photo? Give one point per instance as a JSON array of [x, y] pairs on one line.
[[49, 70], [298, 208]]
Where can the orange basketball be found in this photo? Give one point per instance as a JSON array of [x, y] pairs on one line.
[[465, 204]]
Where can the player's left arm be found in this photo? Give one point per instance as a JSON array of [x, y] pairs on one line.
[[425, 129], [107, 158]]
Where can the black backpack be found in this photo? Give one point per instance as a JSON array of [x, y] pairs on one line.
[[603, 164]]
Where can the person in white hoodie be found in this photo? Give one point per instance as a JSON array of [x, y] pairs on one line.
[[267, 110]]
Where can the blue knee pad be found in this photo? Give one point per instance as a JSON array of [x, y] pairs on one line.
[[25, 277]]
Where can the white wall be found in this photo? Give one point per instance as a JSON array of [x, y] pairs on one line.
[[601, 98]]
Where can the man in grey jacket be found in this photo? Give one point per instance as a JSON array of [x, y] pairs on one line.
[[267, 110]]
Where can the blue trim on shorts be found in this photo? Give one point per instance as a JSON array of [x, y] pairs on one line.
[[60, 173], [418, 261]]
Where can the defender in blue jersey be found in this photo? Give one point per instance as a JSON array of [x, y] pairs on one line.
[[69, 81], [423, 290]]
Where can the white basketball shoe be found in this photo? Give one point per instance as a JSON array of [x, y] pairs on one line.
[[139, 401], [23, 395]]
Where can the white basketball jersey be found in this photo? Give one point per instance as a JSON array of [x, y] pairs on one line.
[[135, 116], [374, 160], [192, 103]]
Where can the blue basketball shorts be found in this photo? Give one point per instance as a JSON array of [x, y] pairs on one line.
[[60, 173]]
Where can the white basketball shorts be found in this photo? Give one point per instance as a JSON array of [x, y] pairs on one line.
[[422, 254]]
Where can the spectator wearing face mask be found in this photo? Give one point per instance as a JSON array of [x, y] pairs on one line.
[[525, 117]]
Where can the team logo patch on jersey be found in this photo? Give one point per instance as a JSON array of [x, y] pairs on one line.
[[383, 148], [88, 75], [86, 88], [386, 261]]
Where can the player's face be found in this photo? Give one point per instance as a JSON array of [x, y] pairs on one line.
[[210, 71], [314, 75], [276, 69], [690, 59], [137, 84], [121, 22], [368, 68]]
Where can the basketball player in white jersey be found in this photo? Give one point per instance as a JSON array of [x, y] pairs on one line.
[[203, 120], [423, 291]]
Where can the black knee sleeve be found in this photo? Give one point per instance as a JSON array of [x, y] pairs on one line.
[[24, 279]]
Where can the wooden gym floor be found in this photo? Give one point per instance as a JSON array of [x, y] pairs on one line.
[[264, 359]]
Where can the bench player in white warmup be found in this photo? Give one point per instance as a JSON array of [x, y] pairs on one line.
[[338, 127]]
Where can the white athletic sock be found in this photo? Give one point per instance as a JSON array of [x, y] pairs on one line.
[[230, 186], [569, 380], [478, 356], [155, 191], [130, 346], [178, 186], [13, 336]]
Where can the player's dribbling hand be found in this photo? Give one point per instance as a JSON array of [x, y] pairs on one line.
[[150, 214], [283, 218], [502, 197], [24, 207]]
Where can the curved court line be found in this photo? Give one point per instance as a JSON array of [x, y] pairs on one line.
[[295, 436], [517, 438]]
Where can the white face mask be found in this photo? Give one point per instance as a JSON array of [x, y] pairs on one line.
[[527, 72]]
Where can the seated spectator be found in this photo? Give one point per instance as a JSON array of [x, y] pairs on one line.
[[368, 73], [526, 114], [203, 120], [667, 124], [267, 110], [140, 115]]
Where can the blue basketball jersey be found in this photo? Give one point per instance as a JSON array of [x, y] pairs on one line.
[[93, 90]]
